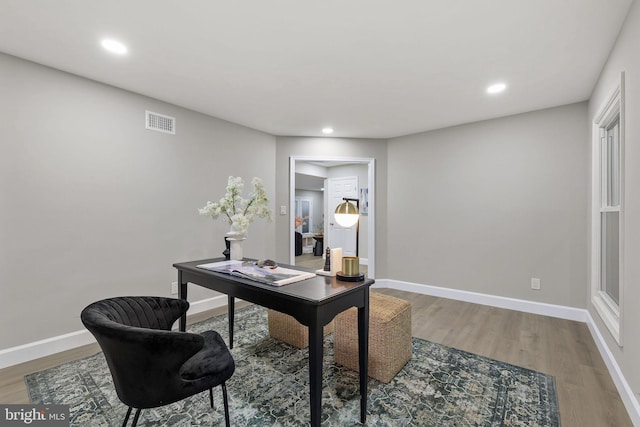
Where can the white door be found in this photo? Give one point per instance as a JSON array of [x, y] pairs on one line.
[[340, 237]]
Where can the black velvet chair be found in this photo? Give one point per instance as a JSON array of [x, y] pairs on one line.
[[298, 242], [151, 365]]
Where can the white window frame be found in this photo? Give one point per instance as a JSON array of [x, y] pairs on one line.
[[610, 312]]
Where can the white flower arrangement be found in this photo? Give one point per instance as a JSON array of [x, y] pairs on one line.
[[238, 211]]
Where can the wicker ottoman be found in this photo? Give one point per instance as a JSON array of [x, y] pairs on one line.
[[389, 337], [286, 328]]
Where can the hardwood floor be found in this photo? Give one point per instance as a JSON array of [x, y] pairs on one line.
[[587, 396], [310, 261]]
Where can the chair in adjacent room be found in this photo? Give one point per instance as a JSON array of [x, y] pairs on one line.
[[298, 244], [152, 365]]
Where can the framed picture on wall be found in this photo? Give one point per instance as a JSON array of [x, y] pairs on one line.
[[364, 200]]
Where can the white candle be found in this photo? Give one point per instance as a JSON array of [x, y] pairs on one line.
[[336, 260]]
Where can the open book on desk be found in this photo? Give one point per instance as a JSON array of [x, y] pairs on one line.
[[249, 270]]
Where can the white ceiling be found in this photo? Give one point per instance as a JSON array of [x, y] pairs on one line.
[[309, 182], [369, 68]]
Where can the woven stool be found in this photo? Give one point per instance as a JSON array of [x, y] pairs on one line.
[[286, 328], [389, 337]]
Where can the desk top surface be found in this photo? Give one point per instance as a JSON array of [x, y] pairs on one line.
[[317, 289]]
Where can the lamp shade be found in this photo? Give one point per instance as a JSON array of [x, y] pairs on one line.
[[347, 214]]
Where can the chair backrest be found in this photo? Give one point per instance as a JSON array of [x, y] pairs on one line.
[[143, 354], [143, 312]]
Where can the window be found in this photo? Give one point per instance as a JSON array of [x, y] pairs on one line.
[[610, 213], [607, 212], [304, 209]]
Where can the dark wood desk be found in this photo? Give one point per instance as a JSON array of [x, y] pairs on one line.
[[313, 302]]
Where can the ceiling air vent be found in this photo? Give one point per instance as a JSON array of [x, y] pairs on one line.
[[160, 122]]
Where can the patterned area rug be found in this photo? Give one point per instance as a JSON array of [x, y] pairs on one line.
[[440, 386]]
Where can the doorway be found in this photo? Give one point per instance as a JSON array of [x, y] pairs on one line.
[[336, 235], [305, 169]]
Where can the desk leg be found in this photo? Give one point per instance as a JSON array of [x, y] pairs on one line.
[[182, 294], [231, 305], [363, 354], [316, 338]]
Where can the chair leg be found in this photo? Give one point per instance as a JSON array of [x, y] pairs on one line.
[[226, 405], [211, 397], [126, 418], [135, 418]]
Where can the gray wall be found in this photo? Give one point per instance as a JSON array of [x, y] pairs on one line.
[[93, 205], [486, 206], [333, 147], [626, 57]]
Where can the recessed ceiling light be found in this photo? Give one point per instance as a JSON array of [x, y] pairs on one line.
[[114, 46], [496, 88], [327, 131]]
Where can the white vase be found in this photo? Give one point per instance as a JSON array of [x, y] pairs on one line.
[[235, 239], [236, 248]]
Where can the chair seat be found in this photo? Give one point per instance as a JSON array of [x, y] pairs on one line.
[[214, 360]]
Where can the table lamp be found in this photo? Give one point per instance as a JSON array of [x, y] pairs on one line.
[[347, 215]]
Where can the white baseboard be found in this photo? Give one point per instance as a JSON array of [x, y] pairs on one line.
[[47, 347], [208, 304], [626, 394], [525, 306], [581, 315], [35, 350]]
